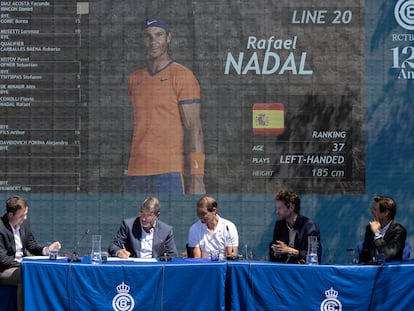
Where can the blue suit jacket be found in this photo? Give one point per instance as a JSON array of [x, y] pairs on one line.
[[129, 237], [8, 247], [304, 227]]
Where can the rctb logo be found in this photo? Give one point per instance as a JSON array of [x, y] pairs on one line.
[[331, 303], [404, 14], [123, 301]]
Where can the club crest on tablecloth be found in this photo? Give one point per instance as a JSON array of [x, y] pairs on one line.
[[123, 301], [331, 303]]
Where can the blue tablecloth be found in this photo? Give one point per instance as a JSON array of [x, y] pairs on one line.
[[174, 285], [198, 285], [271, 286]]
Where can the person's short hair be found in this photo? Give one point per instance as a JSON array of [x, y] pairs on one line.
[[15, 203], [289, 198], [151, 204], [207, 202], [386, 204]]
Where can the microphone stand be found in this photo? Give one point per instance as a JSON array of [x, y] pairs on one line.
[[74, 257], [232, 256], [162, 256]]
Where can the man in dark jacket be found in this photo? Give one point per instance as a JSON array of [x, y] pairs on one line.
[[144, 236], [384, 238], [291, 232], [16, 242]]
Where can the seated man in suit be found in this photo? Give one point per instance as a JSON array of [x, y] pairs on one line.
[[384, 237], [291, 231], [144, 236], [16, 242]]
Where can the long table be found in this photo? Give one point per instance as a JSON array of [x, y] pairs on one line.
[[269, 286], [123, 285], [190, 284]]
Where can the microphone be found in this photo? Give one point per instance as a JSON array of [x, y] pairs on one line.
[[162, 256], [288, 258], [74, 257], [232, 257]]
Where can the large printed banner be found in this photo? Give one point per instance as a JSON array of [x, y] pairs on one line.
[[282, 92]]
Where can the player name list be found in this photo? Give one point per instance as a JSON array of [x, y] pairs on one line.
[[43, 95]]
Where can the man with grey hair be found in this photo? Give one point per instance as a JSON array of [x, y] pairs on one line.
[[144, 236]]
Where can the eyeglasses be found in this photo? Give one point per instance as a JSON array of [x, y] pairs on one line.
[[148, 215]]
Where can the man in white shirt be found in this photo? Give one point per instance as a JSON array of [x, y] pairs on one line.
[[17, 241], [212, 233]]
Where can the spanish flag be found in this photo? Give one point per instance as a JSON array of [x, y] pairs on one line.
[[268, 118]]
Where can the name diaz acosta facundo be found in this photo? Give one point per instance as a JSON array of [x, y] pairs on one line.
[[269, 62]]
